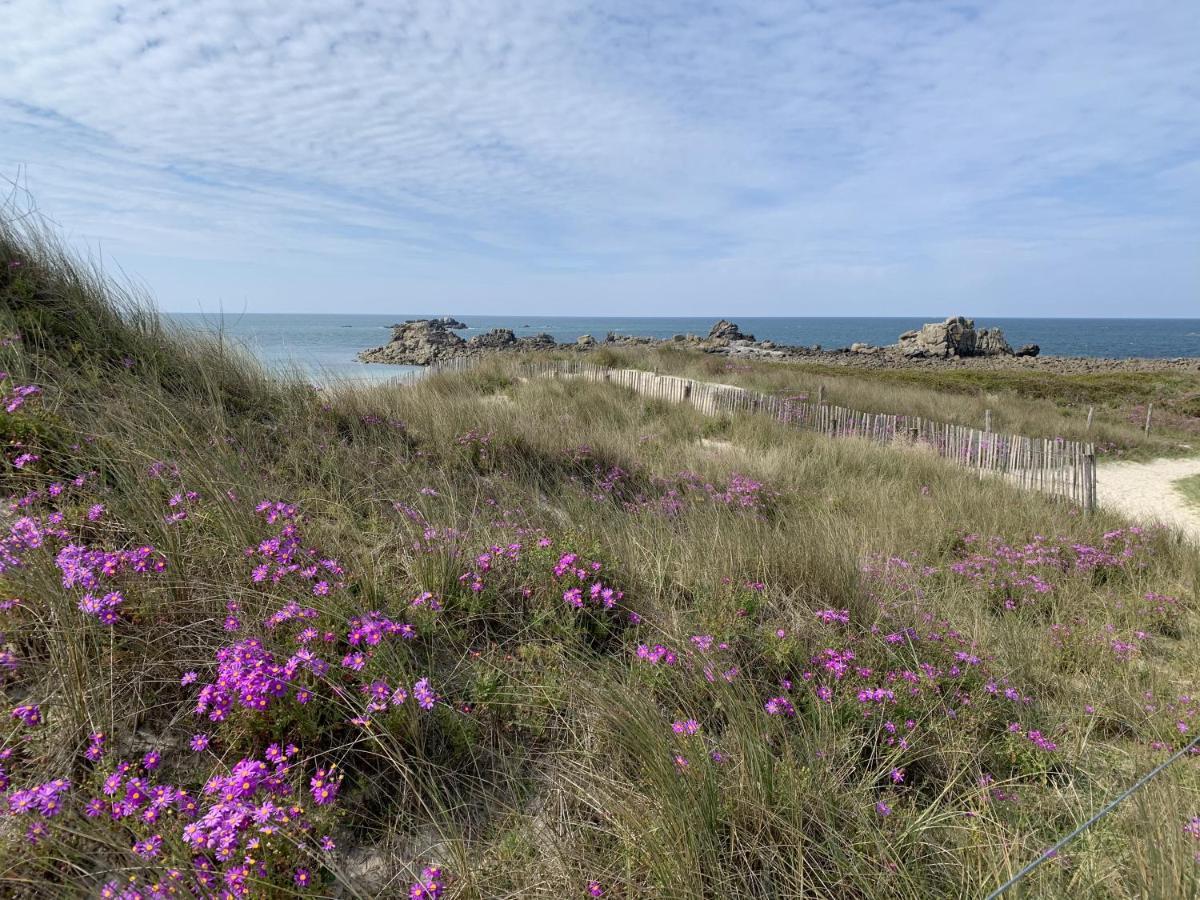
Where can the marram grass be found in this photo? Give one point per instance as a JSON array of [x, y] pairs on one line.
[[494, 637]]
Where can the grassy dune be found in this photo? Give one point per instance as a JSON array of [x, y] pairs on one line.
[[1190, 488], [1035, 403], [550, 639]]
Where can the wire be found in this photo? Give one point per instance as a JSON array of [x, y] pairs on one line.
[[1050, 853]]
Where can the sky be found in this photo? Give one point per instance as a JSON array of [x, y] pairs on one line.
[[627, 157]]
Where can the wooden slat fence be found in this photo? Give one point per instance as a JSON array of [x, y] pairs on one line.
[[1065, 469]]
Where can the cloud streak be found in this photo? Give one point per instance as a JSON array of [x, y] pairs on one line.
[[768, 157]]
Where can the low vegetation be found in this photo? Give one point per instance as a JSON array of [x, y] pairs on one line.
[[1035, 403], [494, 637], [1190, 488]]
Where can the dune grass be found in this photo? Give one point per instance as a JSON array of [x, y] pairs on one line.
[[1190, 489], [549, 638], [1035, 403]]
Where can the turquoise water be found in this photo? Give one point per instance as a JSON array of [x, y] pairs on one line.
[[324, 346]]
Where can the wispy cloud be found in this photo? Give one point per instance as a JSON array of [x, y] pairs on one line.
[[773, 157]]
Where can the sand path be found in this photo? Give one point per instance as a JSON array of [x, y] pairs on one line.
[[1144, 492]]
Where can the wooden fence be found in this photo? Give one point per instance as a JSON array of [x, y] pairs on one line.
[[1065, 469]]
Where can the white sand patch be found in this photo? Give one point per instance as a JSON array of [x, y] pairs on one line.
[[1146, 492]]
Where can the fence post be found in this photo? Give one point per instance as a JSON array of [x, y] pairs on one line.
[[1091, 413], [820, 393], [1090, 480], [1149, 413], [987, 421]]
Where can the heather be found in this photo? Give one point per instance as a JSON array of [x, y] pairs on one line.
[[489, 636]]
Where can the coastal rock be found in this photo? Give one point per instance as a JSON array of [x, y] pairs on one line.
[[426, 341], [955, 337], [444, 321], [725, 330], [991, 342], [1029, 350], [539, 341], [417, 343], [496, 339], [585, 342]]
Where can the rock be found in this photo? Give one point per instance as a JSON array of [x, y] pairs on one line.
[[767, 345], [585, 341], [991, 342], [728, 331], [427, 341], [443, 321], [496, 339], [539, 341], [1029, 350], [417, 343], [954, 337]]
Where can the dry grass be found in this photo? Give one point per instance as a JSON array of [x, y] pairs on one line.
[[1036, 403], [550, 761]]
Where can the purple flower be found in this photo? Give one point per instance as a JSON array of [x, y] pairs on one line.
[[424, 694], [779, 706], [95, 750], [31, 715], [883, 809], [324, 786], [431, 886], [149, 848]]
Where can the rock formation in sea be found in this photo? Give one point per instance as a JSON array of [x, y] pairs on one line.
[[424, 342], [955, 337], [725, 330]]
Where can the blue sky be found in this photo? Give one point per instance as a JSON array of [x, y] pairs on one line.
[[640, 157]]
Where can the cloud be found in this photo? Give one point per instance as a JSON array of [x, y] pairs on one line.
[[888, 156]]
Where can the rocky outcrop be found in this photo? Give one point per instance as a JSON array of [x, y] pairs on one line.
[[955, 337], [956, 341], [417, 343], [991, 342], [496, 339], [725, 330], [424, 342]]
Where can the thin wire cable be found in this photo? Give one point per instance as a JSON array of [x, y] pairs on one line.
[[1050, 854]]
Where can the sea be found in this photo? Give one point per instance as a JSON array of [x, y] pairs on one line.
[[323, 346]]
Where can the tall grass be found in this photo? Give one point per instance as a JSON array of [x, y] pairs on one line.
[[1034, 403], [550, 760]]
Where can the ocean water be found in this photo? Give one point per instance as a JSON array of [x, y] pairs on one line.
[[324, 346]]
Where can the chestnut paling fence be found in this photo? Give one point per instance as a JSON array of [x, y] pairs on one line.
[[1064, 469]]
